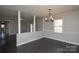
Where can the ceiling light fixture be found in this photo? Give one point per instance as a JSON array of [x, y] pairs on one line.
[[49, 18]]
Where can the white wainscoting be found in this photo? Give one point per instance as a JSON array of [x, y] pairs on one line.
[[69, 37], [24, 38]]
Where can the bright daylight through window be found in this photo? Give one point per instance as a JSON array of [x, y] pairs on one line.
[[58, 25]]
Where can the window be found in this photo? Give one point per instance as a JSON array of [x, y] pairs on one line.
[[58, 24]]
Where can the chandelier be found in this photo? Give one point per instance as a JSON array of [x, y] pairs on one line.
[[49, 18]]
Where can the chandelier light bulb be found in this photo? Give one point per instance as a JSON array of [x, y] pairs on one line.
[[46, 19], [51, 17]]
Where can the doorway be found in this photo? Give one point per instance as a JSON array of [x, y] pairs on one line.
[[7, 41]]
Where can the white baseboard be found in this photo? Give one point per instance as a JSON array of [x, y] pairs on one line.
[[28, 41], [63, 40]]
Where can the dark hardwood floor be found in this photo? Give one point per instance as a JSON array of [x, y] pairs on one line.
[[45, 45], [10, 44]]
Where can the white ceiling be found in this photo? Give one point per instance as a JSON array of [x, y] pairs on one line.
[[38, 10]]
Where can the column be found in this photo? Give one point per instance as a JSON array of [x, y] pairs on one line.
[[19, 22], [34, 24], [43, 24], [31, 28]]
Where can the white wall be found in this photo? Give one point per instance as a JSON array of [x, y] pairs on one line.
[[25, 25], [70, 21], [27, 37], [70, 28], [13, 27], [39, 24], [48, 26]]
